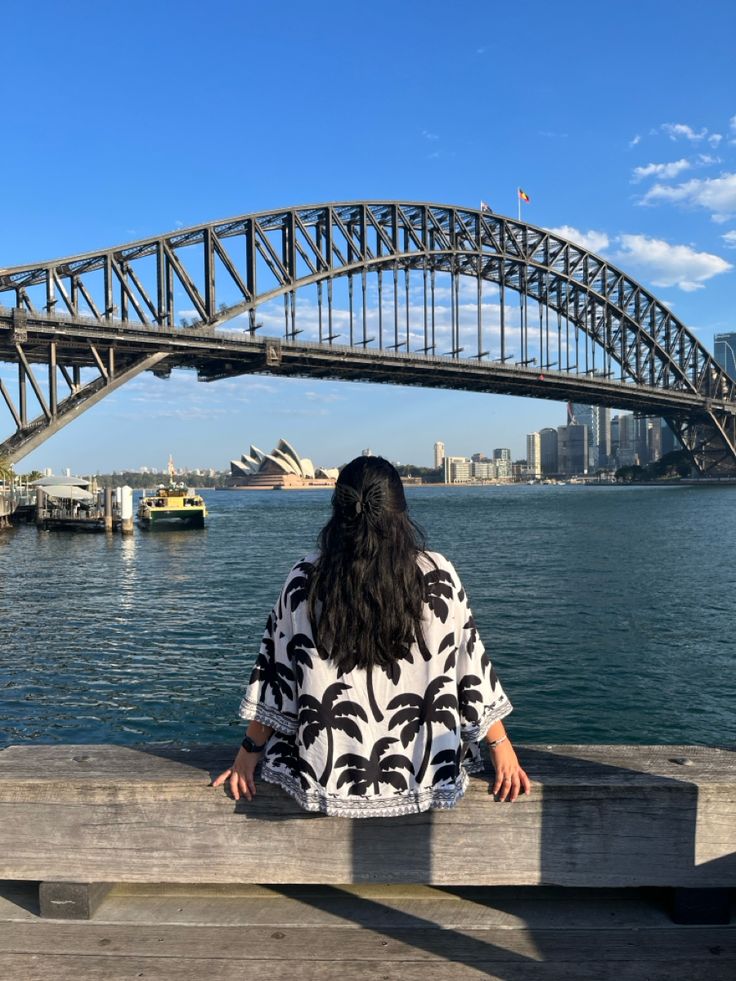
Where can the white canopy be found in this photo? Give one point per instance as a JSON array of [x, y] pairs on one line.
[[53, 481], [68, 492]]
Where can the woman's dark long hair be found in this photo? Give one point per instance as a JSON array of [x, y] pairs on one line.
[[366, 591]]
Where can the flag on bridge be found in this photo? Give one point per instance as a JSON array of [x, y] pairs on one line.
[[524, 196], [484, 207]]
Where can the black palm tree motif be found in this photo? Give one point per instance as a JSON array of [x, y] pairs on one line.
[[448, 761], [393, 670], [393, 673], [449, 641], [472, 634], [377, 713], [317, 716], [486, 665], [468, 693], [371, 771], [285, 753], [417, 711], [298, 651], [296, 589], [438, 586], [275, 678]]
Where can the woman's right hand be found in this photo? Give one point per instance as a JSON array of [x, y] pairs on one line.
[[240, 775], [511, 779]]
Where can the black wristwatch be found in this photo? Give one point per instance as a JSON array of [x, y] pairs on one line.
[[250, 747]]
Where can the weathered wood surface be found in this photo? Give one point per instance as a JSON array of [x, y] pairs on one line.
[[330, 955], [597, 816], [400, 933]]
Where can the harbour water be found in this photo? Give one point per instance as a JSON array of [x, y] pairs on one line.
[[608, 611]]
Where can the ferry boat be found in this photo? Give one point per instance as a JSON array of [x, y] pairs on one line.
[[175, 506]]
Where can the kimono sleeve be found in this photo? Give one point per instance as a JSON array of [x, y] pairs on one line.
[[481, 698], [271, 695]]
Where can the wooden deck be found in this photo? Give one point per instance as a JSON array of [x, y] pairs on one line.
[[386, 933]]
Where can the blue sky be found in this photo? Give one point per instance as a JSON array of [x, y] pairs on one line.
[[123, 121]]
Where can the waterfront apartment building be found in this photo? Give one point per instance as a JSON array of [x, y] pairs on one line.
[[724, 351], [502, 461], [439, 454], [457, 469], [533, 455]]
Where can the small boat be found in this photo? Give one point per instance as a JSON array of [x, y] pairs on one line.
[[175, 506]]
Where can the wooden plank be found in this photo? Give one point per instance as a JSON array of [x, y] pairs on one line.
[[71, 900], [396, 943], [53, 967], [598, 816], [359, 906]]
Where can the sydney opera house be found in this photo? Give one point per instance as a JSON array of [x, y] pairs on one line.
[[281, 468]]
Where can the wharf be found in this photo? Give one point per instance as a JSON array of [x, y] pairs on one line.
[[123, 862]]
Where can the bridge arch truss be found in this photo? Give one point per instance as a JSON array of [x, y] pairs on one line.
[[404, 292]]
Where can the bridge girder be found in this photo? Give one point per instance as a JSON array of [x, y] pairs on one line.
[[125, 300]]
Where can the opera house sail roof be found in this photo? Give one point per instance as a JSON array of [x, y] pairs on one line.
[[281, 467]]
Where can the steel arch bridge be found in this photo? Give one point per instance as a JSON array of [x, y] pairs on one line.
[[399, 292]]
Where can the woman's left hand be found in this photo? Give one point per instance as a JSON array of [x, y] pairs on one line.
[[240, 775]]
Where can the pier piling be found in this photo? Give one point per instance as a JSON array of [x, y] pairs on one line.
[[40, 506], [126, 510], [108, 509]]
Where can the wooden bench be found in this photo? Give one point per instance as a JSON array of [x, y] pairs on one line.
[[78, 818]]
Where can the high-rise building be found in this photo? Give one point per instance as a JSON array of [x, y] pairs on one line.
[[439, 454], [670, 443], [548, 449], [724, 351], [627, 453], [534, 455], [598, 420], [367, 452], [572, 444]]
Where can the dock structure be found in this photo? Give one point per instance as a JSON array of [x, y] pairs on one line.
[[124, 862]]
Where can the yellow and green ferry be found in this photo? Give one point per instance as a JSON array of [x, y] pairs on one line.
[[175, 506]]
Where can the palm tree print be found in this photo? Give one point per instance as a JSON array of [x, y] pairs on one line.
[[449, 641], [316, 717], [274, 677], [438, 585], [365, 772], [423, 711], [297, 587], [285, 753], [448, 761], [298, 651], [468, 693]]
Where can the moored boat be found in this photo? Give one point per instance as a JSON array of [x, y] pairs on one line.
[[175, 506]]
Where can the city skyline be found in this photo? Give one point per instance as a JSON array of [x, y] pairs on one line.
[[651, 187]]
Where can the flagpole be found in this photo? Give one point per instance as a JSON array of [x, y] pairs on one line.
[[518, 200]]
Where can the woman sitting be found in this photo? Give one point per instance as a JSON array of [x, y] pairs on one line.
[[372, 690]]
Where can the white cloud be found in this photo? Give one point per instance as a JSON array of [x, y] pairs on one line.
[[732, 123], [669, 265], [429, 136], [714, 139], [592, 240], [635, 141], [664, 170], [716, 194], [681, 131], [730, 239]]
